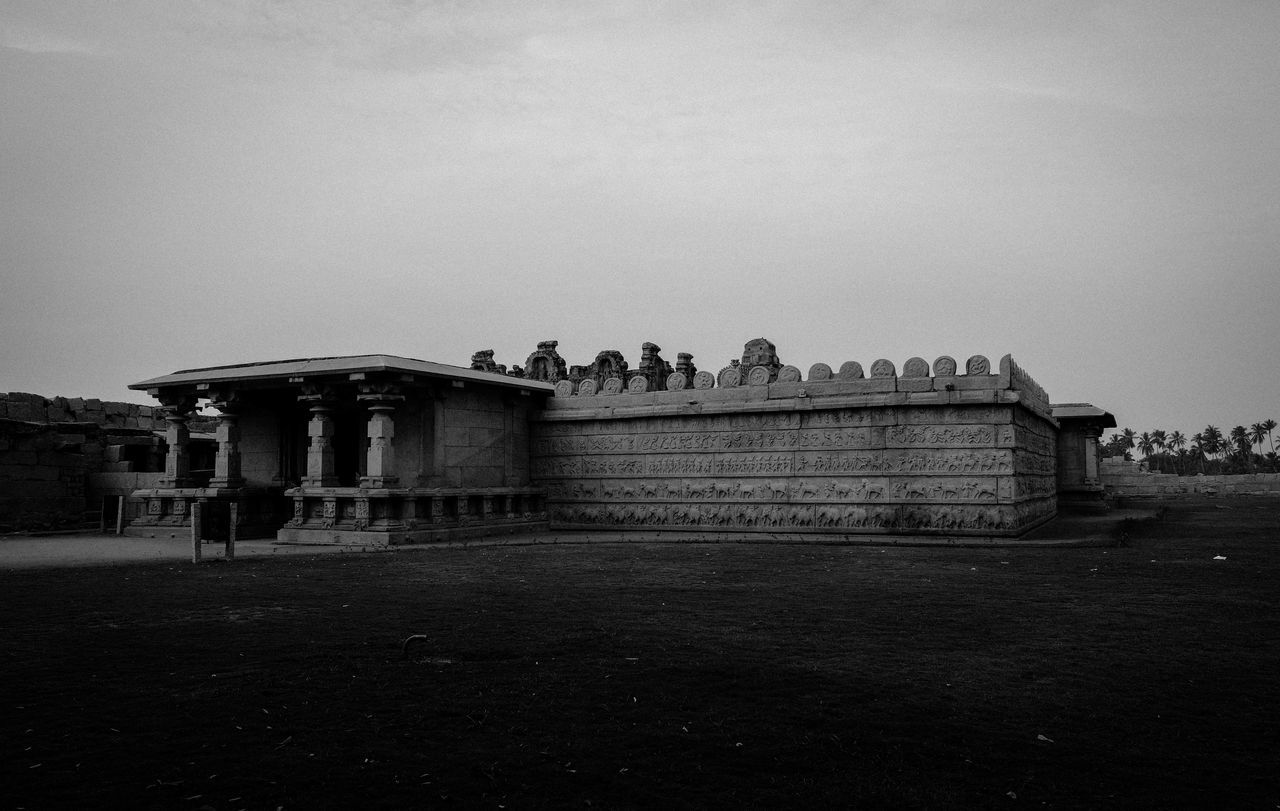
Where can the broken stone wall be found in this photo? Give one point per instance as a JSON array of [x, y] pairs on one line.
[[42, 475], [1122, 479], [51, 448]]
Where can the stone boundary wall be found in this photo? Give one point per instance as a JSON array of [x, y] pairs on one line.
[[942, 454], [1122, 478]]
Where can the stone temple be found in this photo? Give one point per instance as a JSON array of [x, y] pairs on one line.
[[376, 449]]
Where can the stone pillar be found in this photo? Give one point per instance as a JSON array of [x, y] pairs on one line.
[[177, 463], [438, 447], [508, 442], [226, 467], [321, 470], [380, 467], [1091, 452]]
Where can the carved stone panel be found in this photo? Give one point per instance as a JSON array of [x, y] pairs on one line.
[[883, 368], [850, 370], [914, 367], [963, 469]]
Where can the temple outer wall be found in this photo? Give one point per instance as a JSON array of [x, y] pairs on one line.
[[970, 455]]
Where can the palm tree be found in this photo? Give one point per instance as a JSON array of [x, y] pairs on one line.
[[1270, 425], [1257, 433], [1211, 440], [1157, 443], [1145, 445], [1197, 449], [1128, 435], [1177, 442], [1242, 442]]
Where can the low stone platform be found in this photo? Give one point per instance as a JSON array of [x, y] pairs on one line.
[[28, 552]]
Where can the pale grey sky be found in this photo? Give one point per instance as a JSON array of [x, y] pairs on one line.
[[1091, 186]]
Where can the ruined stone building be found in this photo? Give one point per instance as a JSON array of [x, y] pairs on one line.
[[387, 450]]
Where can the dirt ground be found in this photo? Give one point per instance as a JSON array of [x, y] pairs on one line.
[[659, 675]]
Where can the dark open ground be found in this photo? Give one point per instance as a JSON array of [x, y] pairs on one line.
[[659, 675]]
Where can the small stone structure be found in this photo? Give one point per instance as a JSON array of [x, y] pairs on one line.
[[371, 449], [1080, 425]]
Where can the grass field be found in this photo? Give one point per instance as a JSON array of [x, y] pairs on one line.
[[683, 676]]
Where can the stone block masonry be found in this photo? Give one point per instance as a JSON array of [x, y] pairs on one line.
[[51, 448], [25, 407], [762, 450], [1123, 479]]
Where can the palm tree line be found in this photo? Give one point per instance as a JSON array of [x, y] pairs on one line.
[[1209, 451]]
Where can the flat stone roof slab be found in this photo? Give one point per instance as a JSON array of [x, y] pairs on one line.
[[322, 367]]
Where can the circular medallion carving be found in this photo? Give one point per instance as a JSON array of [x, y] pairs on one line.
[[612, 386], [977, 365], [729, 377], [759, 376], [564, 389], [676, 381], [638, 384], [819, 371], [587, 388], [704, 380], [850, 370], [883, 368], [915, 367], [788, 374], [944, 366]]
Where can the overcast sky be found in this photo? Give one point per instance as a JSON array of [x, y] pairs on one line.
[[1092, 187]]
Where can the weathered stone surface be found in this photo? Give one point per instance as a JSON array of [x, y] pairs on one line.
[[819, 372], [850, 370], [977, 365], [771, 459], [915, 367], [944, 366]]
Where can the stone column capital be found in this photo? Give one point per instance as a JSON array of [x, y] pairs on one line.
[[177, 405], [317, 394]]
